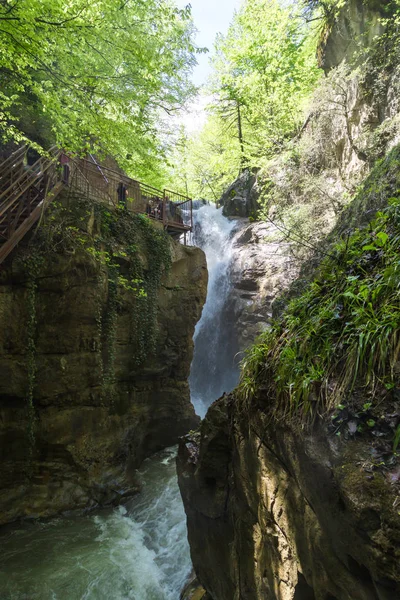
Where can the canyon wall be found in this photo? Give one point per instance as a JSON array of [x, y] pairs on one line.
[[289, 207], [278, 507], [83, 400], [281, 515]]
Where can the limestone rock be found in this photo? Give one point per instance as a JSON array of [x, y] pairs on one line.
[[262, 268], [240, 199], [356, 26], [88, 442], [278, 515], [193, 590]]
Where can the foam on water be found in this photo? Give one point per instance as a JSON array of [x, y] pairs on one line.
[[214, 368], [137, 552]]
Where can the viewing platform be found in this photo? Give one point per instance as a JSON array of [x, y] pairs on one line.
[[113, 187], [27, 189]]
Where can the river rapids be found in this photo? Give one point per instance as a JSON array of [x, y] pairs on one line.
[[138, 551]]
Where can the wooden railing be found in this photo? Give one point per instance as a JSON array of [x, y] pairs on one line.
[[107, 185], [26, 190], [12, 168]]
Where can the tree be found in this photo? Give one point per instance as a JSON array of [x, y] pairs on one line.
[[268, 60], [96, 75], [264, 70]]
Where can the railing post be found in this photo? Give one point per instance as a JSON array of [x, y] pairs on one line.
[[164, 209]]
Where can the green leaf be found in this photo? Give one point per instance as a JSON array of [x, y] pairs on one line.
[[382, 238]]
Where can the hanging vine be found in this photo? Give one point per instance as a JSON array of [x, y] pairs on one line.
[[109, 326], [144, 314]]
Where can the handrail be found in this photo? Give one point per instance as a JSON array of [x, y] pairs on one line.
[[23, 201], [14, 156], [11, 168], [116, 187], [28, 189], [24, 182]]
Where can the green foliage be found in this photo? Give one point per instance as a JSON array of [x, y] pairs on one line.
[[342, 331], [263, 72], [130, 256], [382, 58], [156, 246], [136, 255], [94, 76]]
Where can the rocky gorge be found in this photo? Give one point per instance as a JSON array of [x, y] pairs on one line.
[[114, 337], [281, 507], [290, 495], [79, 413]]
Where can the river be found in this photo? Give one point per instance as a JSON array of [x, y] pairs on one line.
[[138, 551]]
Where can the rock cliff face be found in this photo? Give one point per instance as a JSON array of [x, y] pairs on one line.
[[241, 197], [262, 268], [98, 411], [356, 26], [278, 515], [277, 510], [353, 121]]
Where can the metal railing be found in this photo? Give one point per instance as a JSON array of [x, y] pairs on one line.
[[25, 191], [112, 187]]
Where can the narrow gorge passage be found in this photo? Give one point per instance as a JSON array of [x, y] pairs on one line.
[[138, 551], [214, 368], [133, 552]]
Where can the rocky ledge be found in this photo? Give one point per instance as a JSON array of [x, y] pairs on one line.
[[287, 516], [80, 405]]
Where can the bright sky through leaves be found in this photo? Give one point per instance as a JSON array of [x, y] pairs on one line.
[[210, 17]]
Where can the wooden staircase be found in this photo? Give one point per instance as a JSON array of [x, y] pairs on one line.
[[25, 191]]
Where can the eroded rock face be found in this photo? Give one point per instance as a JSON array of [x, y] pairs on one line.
[[241, 197], [357, 25], [89, 441], [262, 268], [272, 514]]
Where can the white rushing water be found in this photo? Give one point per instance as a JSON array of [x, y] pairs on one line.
[[214, 368], [135, 552], [138, 551]]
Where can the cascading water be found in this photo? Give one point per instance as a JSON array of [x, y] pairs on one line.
[[214, 368], [135, 552], [139, 551]]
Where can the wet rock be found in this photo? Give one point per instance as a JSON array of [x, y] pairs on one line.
[[281, 515], [194, 591], [89, 440]]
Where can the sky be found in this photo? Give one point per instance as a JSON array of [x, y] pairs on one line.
[[210, 17]]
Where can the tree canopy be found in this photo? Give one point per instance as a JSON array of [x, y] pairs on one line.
[[263, 72], [94, 75]]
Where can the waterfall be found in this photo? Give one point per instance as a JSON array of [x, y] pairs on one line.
[[214, 368], [138, 551]]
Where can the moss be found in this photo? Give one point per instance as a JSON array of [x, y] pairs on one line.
[[368, 494], [127, 250], [343, 330]]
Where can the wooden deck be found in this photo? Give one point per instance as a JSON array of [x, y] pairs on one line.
[[27, 190]]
